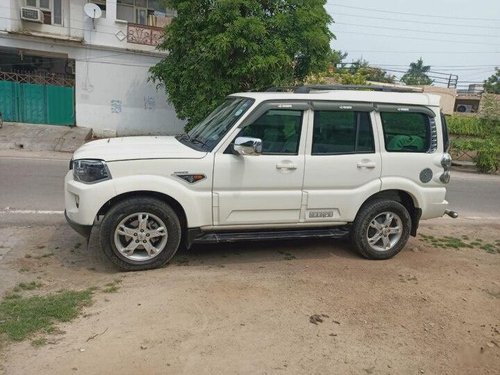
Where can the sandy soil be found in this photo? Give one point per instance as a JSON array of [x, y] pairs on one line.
[[249, 309]]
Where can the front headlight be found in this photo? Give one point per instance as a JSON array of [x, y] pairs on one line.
[[90, 171]]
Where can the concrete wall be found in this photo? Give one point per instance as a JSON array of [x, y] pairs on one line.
[[106, 101], [112, 93]]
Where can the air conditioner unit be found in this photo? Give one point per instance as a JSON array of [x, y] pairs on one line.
[[32, 14], [465, 108]]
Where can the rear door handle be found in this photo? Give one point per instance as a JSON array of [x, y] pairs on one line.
[[286, 165], [366, 164]]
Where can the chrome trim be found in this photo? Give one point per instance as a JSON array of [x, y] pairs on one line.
[[248, 146], [446, 161]]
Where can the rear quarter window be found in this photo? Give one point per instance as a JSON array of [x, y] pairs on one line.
[[406, 131]]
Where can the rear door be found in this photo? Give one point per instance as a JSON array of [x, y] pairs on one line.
[[343, 163]]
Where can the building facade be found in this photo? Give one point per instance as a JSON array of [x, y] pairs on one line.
[[67, 64]]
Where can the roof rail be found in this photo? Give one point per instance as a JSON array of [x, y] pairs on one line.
[[305, 89]]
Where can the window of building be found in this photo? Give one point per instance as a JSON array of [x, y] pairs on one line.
[[142, 12], [279, 131], [102, 5], [406, 131], [51, 9], [342, 132]]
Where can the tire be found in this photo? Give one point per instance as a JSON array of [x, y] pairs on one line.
[[140, 233], [375, 235]]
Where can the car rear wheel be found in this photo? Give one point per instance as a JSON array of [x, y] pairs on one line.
[[381, 229], [140, 233]]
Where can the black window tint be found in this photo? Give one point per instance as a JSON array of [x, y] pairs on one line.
[[279, 131], [406, 131], [342, 132]]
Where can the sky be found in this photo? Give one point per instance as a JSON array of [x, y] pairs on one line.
[[453, 36]]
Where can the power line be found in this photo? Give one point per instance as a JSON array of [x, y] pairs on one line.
[[413, 14], [418, 38], [419, 22], [426, 52], [415, 30]]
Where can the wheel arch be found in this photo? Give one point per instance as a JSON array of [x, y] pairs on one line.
[[406, 199], [176, 206]]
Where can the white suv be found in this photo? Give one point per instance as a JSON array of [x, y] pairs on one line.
[[317, 162]]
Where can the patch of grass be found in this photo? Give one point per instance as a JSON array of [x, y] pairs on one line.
[[111, 289], [490, 248], [24, 316], [24, 269], [39, 342], [77, 245], [462, 243], [113, 286], [28, 286], [12, 296]]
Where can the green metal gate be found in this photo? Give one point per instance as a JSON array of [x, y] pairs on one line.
[[36, 102]]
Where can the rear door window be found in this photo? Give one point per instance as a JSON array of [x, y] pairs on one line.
[[342, 132]]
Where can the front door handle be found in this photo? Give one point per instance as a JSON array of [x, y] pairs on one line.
[[366, 164], [286, 165]]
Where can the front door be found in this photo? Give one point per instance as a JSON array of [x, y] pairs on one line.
[[263, 189]]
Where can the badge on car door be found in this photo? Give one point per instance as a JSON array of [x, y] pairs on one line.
[[320, 214]]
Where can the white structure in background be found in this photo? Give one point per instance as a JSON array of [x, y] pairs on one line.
[[108, 56]]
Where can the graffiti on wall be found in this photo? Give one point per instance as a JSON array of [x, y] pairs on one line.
[[149, 103], [116, 106]]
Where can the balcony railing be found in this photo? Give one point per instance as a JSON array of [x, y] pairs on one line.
[[143, 34]]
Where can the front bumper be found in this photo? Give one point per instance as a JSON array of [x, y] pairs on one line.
[[84, 230]]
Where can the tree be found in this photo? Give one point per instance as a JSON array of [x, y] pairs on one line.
[[417, 74], [492, 84], [371, 73], [216, 47]]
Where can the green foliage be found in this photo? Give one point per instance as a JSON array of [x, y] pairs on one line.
[[466, 125], [482, 134], [217, 47], [343, 77], [488, 156], [492, 84], [24, 316], [359, 73], [371, 73], [417, 74]]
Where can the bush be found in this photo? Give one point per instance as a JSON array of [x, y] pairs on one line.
[[483, 136], [465, 125]]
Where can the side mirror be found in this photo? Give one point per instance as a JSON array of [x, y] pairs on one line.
[[247, 146]]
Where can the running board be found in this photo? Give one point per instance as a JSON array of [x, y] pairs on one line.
[[219, 237]]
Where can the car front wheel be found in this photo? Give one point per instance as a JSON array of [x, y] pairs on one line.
[[381, 229], [140, 233]]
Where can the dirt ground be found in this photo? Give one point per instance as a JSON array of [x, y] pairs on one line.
[[250, 308]]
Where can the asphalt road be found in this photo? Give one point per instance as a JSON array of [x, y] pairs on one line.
[[36, 184]]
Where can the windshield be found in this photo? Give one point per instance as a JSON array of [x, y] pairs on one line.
[[207, 134]]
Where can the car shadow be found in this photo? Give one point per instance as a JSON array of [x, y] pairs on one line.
[[74, 252]]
